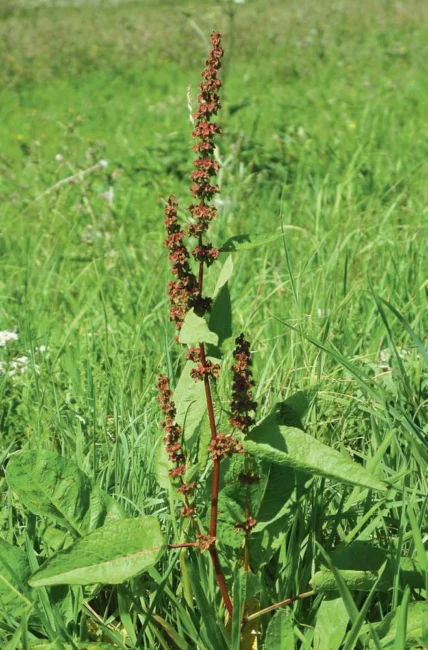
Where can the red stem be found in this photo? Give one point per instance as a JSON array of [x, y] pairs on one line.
[[220, 580], [216, 470]]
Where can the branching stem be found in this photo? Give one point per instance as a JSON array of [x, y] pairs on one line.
[[288, 601]]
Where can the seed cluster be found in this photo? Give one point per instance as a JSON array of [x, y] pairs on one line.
[[242, 404], [203, 188], [173, 442], [183, 292], [225, 445]]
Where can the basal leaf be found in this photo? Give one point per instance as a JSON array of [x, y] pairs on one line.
[[109, 555], [291, 447], [331, 623], [417, 627], [195, 330], [14, 572], [52, 486], [280, 635]]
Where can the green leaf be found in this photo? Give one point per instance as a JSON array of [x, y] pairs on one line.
[[195, 330], [416, 630], [52, 486], [221, 319], [290, 412], [224, 276], [109, 555], [190, 401], [360, 564], [247, 242], [401, 632], [14, 571], [331, 623], [283, 491], [279, 635], [221, 312], [91, 645], [291, 447], [162, 465], [233, 498]]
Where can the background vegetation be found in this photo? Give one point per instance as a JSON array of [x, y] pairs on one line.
[[324, 117]]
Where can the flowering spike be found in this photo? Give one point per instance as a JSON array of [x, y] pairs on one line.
[[242, 404], [173, 442], [203, 187], [183, 291]]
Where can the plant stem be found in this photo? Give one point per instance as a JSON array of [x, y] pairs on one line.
[[247, 516], [183, 545], [288, 601], [220, 580], [216, 470]]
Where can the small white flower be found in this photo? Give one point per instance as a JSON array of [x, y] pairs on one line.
[[59, 158], [102, 163], [20, 364], [42, 348], [6, 336]]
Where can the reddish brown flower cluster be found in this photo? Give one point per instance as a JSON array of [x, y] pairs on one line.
[[242, 404], [173, 442], [173, 431], [206, 167], [206, 254], [225, 445], [246, 526], [207, 369], [184, 290], [205, 542]]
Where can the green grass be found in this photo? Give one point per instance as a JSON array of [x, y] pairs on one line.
[[325, 136]]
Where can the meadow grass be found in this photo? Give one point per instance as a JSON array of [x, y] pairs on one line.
[[325, 141]]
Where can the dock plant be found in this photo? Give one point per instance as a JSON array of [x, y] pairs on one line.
[[219, 568]]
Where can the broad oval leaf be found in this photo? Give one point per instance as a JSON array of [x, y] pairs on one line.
[[195, 330], [52, 486], [279, 634], [291, 447], [332, 619], [109, 555], [14, 572]]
